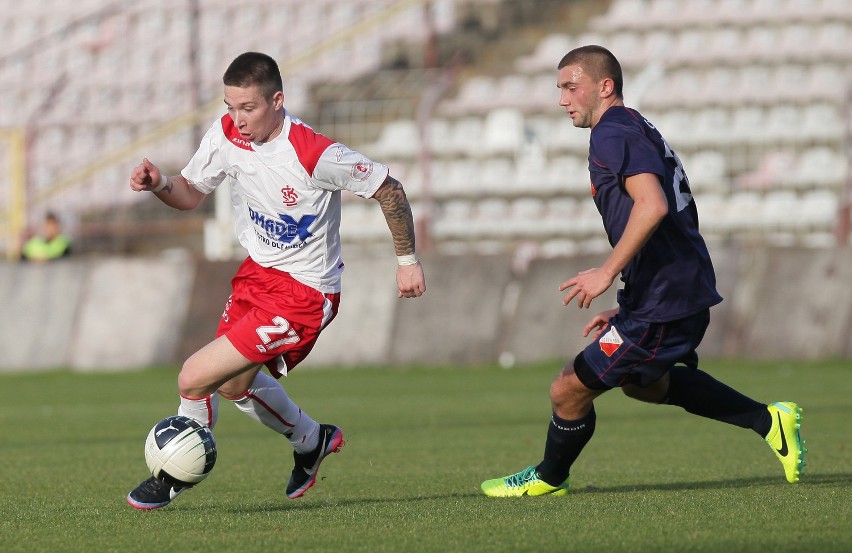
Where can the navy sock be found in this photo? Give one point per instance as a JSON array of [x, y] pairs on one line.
[[565, 440], [702, 395]]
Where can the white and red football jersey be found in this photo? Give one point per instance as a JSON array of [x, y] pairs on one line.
[[286, 194]]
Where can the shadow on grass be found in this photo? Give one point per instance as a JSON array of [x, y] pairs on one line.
[[298, 505], [766, 481], [807, 480]]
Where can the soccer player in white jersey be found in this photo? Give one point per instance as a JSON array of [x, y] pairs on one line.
[[286, 181]]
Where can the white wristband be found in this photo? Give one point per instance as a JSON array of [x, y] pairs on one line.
[[409, 259], [164, 180]]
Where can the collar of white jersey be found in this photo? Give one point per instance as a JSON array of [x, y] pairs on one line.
[[282, 138]]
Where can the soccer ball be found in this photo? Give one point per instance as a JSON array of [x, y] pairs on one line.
[[181, 448]]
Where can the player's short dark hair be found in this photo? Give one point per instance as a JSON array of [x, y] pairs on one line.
[[255, 69], [598, 62]]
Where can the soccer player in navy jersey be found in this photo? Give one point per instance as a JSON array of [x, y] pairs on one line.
[[646, 346]]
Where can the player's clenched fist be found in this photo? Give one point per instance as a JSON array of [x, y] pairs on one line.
[[145, 176], [411, 281]]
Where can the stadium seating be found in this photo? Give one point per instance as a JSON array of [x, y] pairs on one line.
[[752, 94], [465, 136], [822, 122], [473, 98], [400, 139], [503, 132], [552, 47], [708, 171]]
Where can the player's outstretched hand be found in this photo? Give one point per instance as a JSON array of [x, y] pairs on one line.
[[586, 286], [410, 280], [145, 176]]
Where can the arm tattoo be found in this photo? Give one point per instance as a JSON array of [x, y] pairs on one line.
[[397, 211]]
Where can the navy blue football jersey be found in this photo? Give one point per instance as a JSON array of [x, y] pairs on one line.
[[672, 275]]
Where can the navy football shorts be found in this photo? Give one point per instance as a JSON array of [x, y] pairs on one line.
[[639, 353]]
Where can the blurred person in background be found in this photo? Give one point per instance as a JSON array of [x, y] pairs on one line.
[[286, 182], [647, 345], [49, 244]]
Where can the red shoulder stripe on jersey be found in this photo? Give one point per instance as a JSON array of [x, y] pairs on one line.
[[233, 135], [309, 145]]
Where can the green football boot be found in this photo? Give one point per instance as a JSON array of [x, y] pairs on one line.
[[526, 482], [784, 438]]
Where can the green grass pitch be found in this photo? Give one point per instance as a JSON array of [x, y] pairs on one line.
[[419, 442]]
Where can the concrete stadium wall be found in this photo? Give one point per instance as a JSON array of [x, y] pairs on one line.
[[208, 293], [125, 314], [730, 263], [40, 305], [793, 303], [538, 326], [363, 329], [459, 319], [109, 314]]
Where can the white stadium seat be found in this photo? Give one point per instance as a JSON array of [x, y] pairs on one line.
[[725, 46], [818, 210], [568, 174], [782, 124], [711, 127], [825, 81], [832, 40], [398, 139], [564, 137], [525, 217], [453, 220], [472, 97], [494, 176], [820, 167], [769, 171], [622, 14], [460, 178], [744, 211], [542, 95], [832, 9], [707, 170], [503, 132], [822, 122], [759, 43], [491, 219], [362, 221], [780, 211], [747, 124], [676, 126], [465, 138], [792, 40], [690, 46], [546, 55], [512, 91], [628, 47], [437, 132], [694, 13]]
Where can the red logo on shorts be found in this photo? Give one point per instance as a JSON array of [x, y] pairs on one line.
[[610, 342]]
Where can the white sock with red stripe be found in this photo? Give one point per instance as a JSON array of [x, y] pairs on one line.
[[267, 402], [204, 409]]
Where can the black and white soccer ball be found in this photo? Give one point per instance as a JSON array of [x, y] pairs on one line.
[[181, 448]]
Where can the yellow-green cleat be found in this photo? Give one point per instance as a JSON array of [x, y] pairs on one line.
[[785, 440], [526, 482]]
